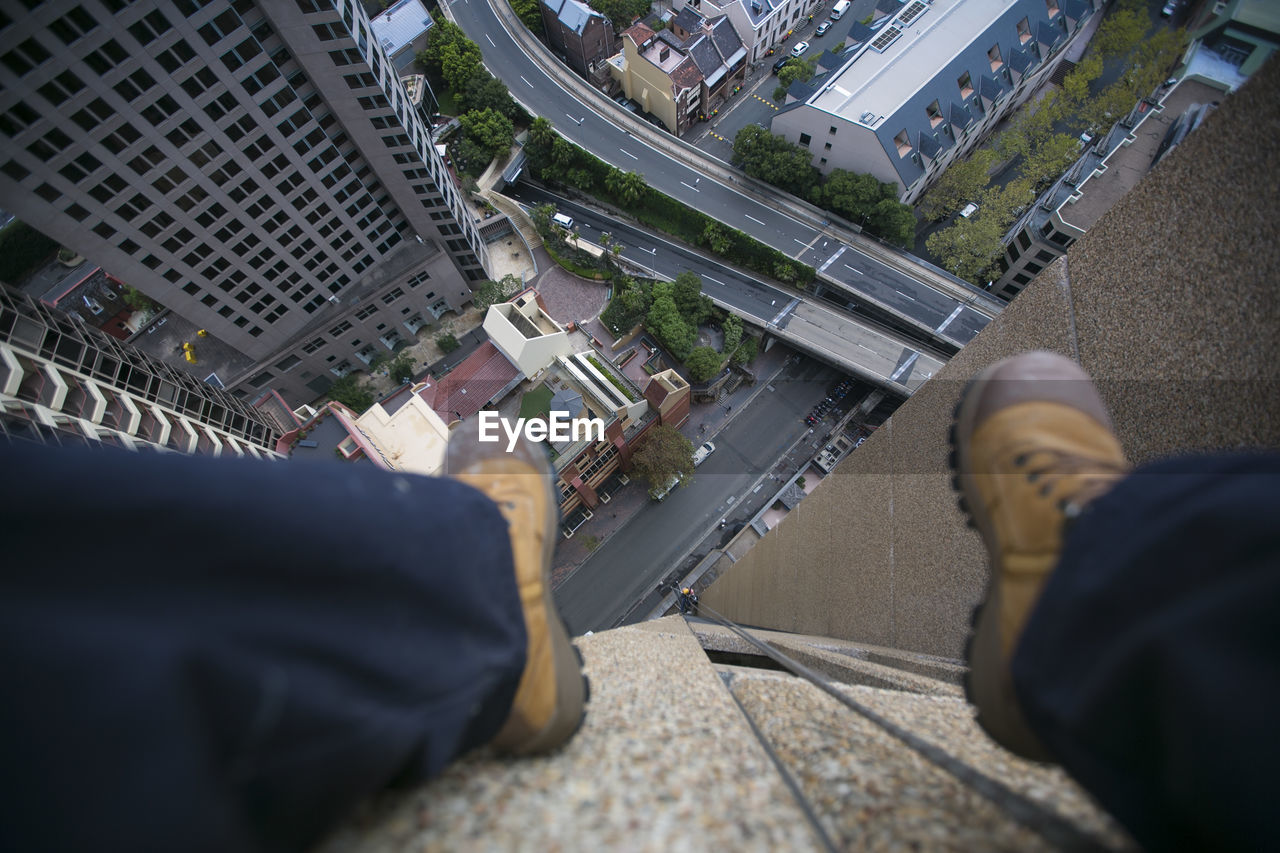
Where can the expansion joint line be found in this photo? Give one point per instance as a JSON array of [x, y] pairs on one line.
[[1061, 833]]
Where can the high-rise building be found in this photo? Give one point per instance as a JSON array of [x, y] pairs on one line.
[[254, 166], [62, 382]]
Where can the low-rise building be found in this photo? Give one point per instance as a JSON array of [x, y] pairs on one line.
[[925, 85], [581, 35], [402, 30], [761, 25], [680, 75], [1109, 167]]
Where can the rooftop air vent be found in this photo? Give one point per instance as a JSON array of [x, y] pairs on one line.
[[867, 118]]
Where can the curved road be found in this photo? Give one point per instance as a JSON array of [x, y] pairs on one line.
[[605, 135]]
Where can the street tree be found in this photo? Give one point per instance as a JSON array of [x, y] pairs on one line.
[[621, 12], [670, 328], [484, 91], [492, 292], [686, 290], [969, 248], [716, 238], [703, 363], [664, 453], [627, 186], [852, 195], [893, 221], [732, 328], [771, 158], [960, 184], [489, 130], [453, 56]]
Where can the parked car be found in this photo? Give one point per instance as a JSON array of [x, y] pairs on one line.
[[700, 455], [777, 66], [969, 210], [1170, 8], [666, 488], [799, 49], [823, 27]]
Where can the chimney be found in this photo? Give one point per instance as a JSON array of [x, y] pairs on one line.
[[664, 53]]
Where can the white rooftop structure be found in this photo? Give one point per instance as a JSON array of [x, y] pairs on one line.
[[397, 27], [904, 56]]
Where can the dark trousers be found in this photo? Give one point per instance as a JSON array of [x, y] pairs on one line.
[[214, 654], [1151, 665]]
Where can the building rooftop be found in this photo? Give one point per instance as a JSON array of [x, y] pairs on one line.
[[397, 27], [573, 13], [481, 377], [881, 75], [1131, 153]]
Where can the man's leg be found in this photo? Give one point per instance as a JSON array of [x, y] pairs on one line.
[[1151, 666], [1128, 628], [232, 653]]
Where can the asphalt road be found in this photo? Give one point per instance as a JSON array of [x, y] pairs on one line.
[[601, 134], [636, 558], [830, 335]]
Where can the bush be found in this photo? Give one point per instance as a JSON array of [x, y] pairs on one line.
[[703, 363], [352, 393], [447, 342]]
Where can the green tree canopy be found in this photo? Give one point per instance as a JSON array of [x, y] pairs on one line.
[[969, 247], [627, 186], [621, 12], [687, 292], [489, 130], [664, 453], [484, 91], [961, 183], [853, 195], [492, 292], [732, 327], [352, 393], [451, 55], [893, 221], [771, 158], [670, 328], [703, 363]]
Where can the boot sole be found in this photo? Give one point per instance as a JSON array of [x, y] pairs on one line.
[[988, 685]]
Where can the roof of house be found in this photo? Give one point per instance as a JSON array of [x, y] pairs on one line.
[[472, 384], [688, 20], [574, 14], [911, 70], [397, 27]]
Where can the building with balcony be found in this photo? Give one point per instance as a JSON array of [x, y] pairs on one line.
[[1109, 167], [926, 84], [64, 382], [257, 168], [657, 74]]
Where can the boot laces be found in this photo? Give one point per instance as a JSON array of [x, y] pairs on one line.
[[1086, 477]]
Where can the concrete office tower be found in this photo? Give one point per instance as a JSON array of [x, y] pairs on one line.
[[254, 166], [62, 382]]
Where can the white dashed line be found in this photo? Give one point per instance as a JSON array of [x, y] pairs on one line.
[[846, 266], [908, 295], [752, 218], [629, 154]]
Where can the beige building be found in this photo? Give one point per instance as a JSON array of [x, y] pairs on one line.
[[412, 438], [525, 333], [655, 73]]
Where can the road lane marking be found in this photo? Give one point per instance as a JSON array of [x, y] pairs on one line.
[[831, 260], [790, 305], [490, 38], [716, 280], [846, 266], [629, 154], [752, 218], [867, 348], [906, 365], [527, 83], [908, 295], [690, 186], [954, 314]]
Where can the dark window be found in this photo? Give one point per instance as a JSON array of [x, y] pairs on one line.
[[76, 23], [805, 139], [1024, 239], [1045, 255]]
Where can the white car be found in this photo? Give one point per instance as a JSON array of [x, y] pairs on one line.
[[800, 49], [700, 455], [822, 28], [969, 210]]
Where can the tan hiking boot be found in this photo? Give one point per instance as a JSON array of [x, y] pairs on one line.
[[1031, 446], [549, 702]]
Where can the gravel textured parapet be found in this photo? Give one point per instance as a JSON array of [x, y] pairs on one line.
[[875, 793], [664, 761]]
